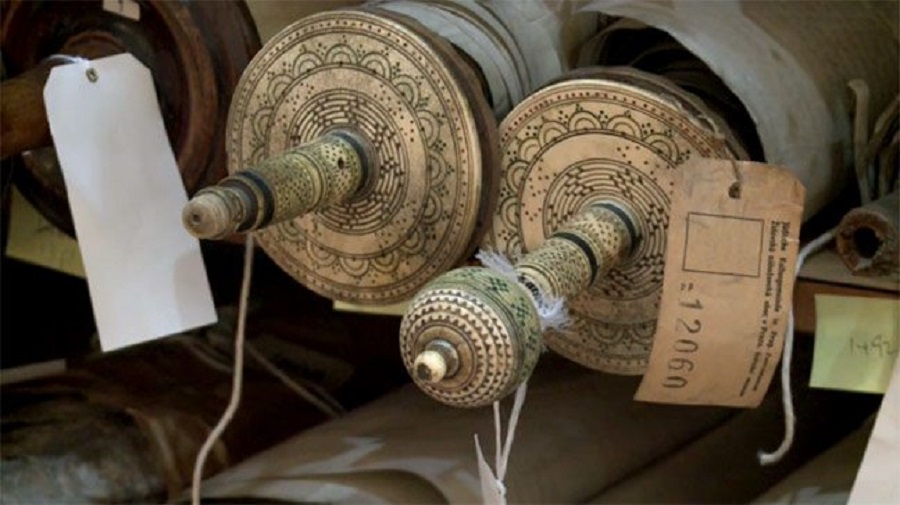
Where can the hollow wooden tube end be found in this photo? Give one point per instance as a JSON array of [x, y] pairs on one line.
[[208, 216], [438, 361], [307, 178]]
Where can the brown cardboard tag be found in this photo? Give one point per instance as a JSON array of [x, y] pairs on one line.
[[728, 284]]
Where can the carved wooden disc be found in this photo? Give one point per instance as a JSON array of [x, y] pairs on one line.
[[602, 135], [415, 101]]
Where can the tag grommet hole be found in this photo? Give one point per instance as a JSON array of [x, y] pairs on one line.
[[734, 191], [92, 74]]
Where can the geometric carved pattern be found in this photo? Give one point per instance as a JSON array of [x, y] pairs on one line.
[[586, 139], [561, 268], [422, 201], [492, 323]]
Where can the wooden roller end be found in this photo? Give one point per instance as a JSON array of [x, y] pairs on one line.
[[208, 216], [304, 179], [470, 337], [438, 361]]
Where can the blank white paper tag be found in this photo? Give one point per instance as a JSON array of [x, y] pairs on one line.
[[145, 272], [877, 480]]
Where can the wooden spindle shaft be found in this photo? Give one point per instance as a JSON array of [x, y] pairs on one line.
[[580, 253], [326, 171], [491, 321], [23, 116]]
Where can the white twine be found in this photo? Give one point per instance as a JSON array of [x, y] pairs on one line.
[[237, 378], [552, 314], [68, 58], [502, 448], [89, 71], [551, 311], [503, 459], [314, 395], [790, 420]]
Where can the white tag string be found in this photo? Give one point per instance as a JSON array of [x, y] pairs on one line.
[[790, 420], [493, 487], [518, 402], [67, 58], [89, 71], [237, 378], [551, 311]]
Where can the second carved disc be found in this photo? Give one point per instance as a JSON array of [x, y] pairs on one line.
[[434, 140], [613, 135]]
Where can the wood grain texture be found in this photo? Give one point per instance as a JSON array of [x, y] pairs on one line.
[[23, 118]]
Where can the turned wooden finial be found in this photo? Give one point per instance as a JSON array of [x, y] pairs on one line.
[[439, 360], [491, 321], [323, 172], [207, 215]]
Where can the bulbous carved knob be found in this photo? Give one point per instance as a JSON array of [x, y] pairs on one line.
[[489, 322], [472, 335], [328, 170]]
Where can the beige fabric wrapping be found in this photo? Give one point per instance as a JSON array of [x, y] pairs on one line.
[[473, 36], [548, 32], [789, 64], [272, 16], [722, 466], [579, 432], [545, 34], [826, 479], [581, 437]]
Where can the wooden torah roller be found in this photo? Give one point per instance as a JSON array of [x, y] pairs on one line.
[[583, 207], [195, 50], [362, 151]]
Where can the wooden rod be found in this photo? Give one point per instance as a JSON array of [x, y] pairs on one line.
[[23, 117], [580, 253], [471, 336], [326, 171]]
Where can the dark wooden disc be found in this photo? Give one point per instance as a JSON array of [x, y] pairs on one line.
[[195, 51], [415, 101], [616, 135]]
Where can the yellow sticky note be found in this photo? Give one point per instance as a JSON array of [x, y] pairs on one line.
[[856, 343], [34, 240]]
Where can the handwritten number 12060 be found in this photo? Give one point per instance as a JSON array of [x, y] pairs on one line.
[[681, 364]]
